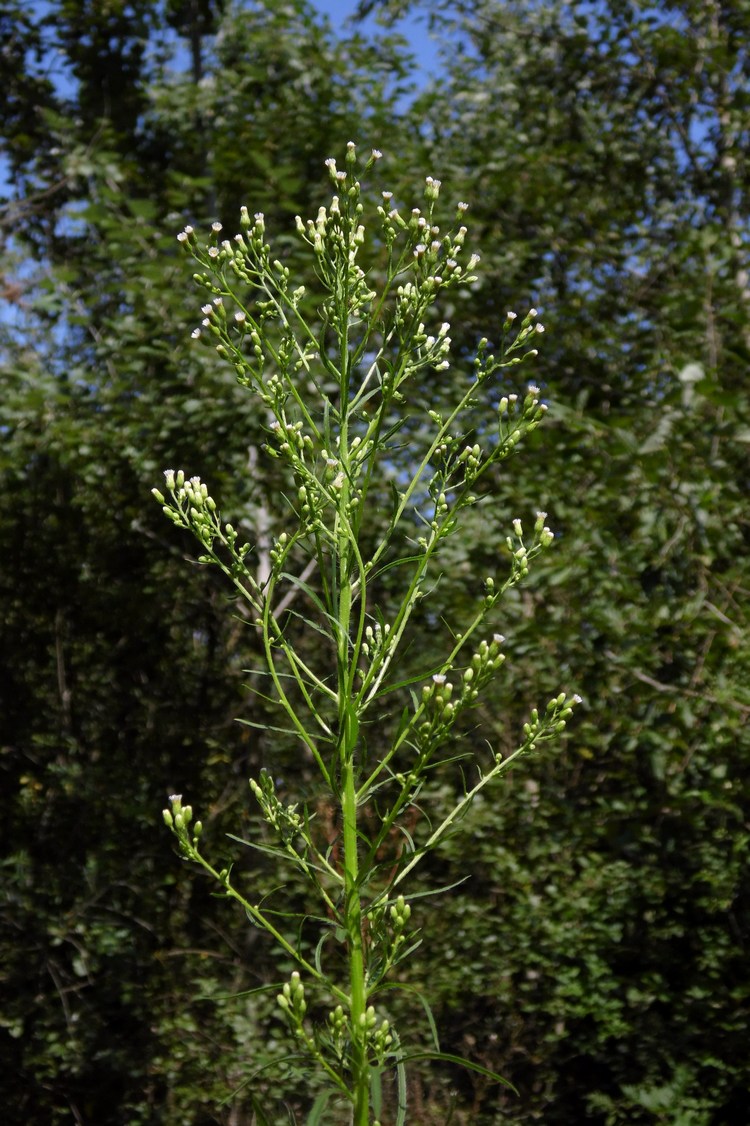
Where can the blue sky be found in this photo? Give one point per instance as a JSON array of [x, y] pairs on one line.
[[412, 28]]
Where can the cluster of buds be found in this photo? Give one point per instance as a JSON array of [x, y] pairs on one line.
[[380, 1038], [521, 555], [551, 723], [292, 996], [326, 229], [529, 328], [441, 507], [311, 502], [283, 819], [437, 266], [338, 1027], [517, 416], [431, 351], [337, 234], [440, 701], [437, 702], [191, 507], [214, 319], [278, 552], [484, 663], [178, 818], [459, 467], [400, 913], [292, 1001], [435, 256], [375, 639], [249, 252], [245, 256], [290, 441], [471, 458], [486, 363]]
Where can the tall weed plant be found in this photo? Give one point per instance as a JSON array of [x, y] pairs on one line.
[[376, 483]]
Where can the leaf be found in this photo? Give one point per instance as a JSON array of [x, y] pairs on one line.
[[315, 1117], [461, 1061]]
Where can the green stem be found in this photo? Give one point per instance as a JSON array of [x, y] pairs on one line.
[[348, 740], [353, 923], [348, 743]]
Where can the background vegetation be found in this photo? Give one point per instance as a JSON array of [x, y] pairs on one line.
[[598, 955]]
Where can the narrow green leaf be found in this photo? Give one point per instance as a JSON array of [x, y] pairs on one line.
[[461, 1061]]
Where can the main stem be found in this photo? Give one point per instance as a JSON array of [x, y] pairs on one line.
[[348, 745], [348, 740], [353, 917]]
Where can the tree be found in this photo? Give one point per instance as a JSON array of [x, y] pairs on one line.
[[604, 154], [609, 149], [110, 681]]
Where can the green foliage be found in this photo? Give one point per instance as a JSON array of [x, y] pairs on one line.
[[334, 394], [605, 154]]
